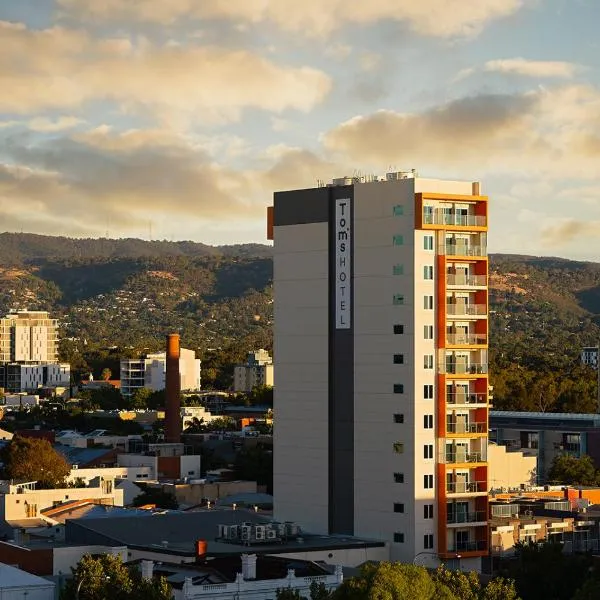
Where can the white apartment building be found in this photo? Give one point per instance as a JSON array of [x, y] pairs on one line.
[[258, 371], [17, 377], [380, 341], [150, 372], [28, 337]]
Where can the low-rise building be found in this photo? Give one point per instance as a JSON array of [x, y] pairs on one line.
[[16, 377], [16, 584], [256, 372], [510, 470]]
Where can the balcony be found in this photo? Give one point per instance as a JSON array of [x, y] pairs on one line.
[[466, 517], [461, 368], [466, 427], [466, 310], [466, 339], [441, 217], [450, 458], [467, 546], [464, 250], [464, 280], [466, 487], [465, 398]]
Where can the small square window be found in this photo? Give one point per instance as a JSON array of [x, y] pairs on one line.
[[428, 541], [398, 329], [398, 447], [428, 242], [398, 507], [428, 332], [428, 272], [398, 269], [428, 511], [398, 538], [398, 359], [428, 361], [428, 451], [398, 210], [398, 388], [398, 299], [398, 240], [428, 392], [428, 482], [428, 421], [399, 418], [428, 302], [398, 477]]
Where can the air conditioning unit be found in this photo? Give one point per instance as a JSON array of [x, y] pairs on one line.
[[271, 534], [260, 532], [246, 532], [234, 532]]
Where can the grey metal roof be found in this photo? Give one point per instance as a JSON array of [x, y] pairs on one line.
[[10, 577], [545, 419]]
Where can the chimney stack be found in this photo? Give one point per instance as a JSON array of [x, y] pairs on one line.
[[173, 391]]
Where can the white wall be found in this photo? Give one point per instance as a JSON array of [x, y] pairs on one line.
[[136, 473]]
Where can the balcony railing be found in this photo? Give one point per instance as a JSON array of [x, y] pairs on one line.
[[466, 487], [466, 309], [458, 279], [465, 250], [439, 217], [470, 546], [466, 339], [465, 398], [454, 427], [463, 457], [469, 517], [464, 369]]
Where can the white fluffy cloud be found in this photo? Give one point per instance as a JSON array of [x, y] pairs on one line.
[[533, 68], [311, 17], [57, 68]]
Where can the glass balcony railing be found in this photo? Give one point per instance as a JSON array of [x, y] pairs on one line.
[[463, 280], [463, 457], [465, 398], [466, 517], [453, 427], [466, 339], [466, 487], [467, 546], [461, 368], [464, 250], [465, 309], [439, 217]]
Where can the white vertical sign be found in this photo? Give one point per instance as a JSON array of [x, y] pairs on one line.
[[343, 282]]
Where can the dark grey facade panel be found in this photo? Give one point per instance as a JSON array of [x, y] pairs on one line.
[[299, 207]]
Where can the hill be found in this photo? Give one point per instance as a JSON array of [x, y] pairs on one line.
[[129, 293]]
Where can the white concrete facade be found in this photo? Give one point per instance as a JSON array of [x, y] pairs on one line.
[[257, 371], [409, 456], [28, 337]]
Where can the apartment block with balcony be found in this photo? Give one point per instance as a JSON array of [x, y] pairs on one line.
[[257, 371], [28, 337], [381, 335]]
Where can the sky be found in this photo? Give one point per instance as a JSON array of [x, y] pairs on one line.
[[178, 119]]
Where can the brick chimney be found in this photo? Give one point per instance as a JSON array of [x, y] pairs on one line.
[[172, 391]]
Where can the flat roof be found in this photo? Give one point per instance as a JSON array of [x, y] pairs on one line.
[[176, 533], [564, 421]]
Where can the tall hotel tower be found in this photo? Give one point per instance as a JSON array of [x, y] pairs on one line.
[[381, 342]]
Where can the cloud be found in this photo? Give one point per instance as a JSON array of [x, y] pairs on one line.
[[46, 125], [60, 68], [533, 68], [443, 18], [569, 230], [551, 132]]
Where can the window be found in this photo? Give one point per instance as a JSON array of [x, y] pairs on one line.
[[398, 269], [428, 302], [398, 210], [398, 329], [398, 538], [428, 511], [398, 447], [428, 361], [428, 421], [398, 388], [398, 418], [398, 359], [428, 541], [428, 482], [398, 477], [428, 391], [398, 299], [428, 242], [398, 240], [428, 332], [398, 507], [428, 272], [428, 451]]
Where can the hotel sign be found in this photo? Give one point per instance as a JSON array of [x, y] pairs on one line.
[[343, 282]]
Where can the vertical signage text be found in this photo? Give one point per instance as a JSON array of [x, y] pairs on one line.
[[343, 283]]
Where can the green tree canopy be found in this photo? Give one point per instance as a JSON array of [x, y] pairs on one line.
[[30, 459], [571, 470]]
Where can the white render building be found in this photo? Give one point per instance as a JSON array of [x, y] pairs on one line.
[[258, 371], [28, 337], [380, 341], [16, 377], [150, 372]]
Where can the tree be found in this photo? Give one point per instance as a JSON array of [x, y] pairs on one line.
[[30, 459], [499, 589], [105, 576], [570, 470], [106, 374], [140, 397], [255, 464], [157, 497], [288, 594], [465, 586], [318, 591]]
